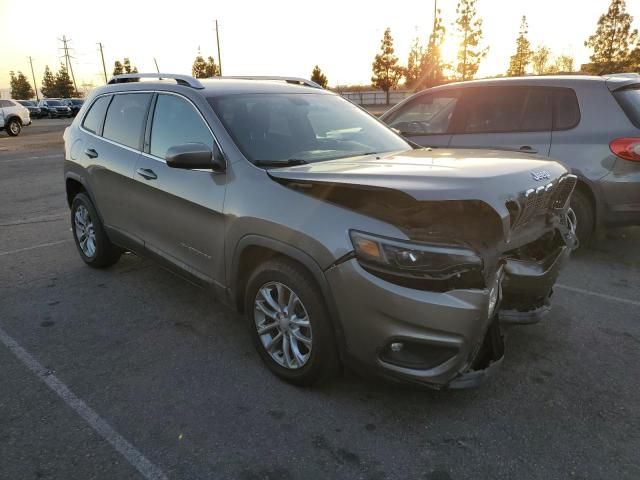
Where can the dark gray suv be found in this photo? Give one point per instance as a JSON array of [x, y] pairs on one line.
[[590, 124], [339, 241]]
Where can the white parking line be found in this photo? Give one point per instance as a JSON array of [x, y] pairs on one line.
[[128, 451], [604, 296], [42, 245]]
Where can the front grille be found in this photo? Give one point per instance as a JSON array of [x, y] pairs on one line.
[[539, 201]]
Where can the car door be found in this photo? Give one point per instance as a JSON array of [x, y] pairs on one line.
[[2, 116], [507, 118], [181, 210], [113, 134], [427, 118]]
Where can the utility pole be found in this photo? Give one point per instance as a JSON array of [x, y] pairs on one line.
[[156, 62], [35, 87], [218, 42], [68, 59], [104, 68]]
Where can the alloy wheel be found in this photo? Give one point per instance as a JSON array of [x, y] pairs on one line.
[[283, 325], [85, 232]]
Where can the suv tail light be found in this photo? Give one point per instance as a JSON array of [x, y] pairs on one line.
[[627, 148]]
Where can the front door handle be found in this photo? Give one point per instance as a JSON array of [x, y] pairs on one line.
[[91, 153], [147, 173], [528, 149]]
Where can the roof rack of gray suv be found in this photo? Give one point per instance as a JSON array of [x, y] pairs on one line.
[[186, 80], [293, 80]]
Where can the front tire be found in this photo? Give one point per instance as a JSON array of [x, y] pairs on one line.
[[95, 248], [14, 127], [289, 324], [585, 217]]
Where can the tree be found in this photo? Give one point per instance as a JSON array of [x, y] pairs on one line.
[[212, 70], [386, 71], [522, 57], [414, 67], [431, 64], [48, 87], [20, 87], [127, 66], [540, 60], [117, 68], [564, 63], [613, 42], [199, 67], [319, 77], [120, 68], [470, 28], [63, 85]]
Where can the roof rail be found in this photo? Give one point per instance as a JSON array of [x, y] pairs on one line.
[[186, 80], [292, 80], [622, 75]]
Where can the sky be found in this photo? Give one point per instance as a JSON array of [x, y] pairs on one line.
[[274, 37]]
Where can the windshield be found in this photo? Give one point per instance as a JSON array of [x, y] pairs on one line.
[[305, 127], [26, 103], [54, 103], [76, 102]]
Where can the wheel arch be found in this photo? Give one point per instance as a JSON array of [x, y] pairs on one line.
[[255, 249]]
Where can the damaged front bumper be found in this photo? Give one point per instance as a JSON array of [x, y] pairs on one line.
[[416, 336]]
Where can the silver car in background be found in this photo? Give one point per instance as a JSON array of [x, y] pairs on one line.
[[590, 124]]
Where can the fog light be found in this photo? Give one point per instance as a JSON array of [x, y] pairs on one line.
[[396, 346]]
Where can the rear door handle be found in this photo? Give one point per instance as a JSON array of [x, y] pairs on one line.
[[147, 173], [528, 149], [91, 153]]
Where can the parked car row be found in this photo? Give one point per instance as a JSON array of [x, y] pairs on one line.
[[15, 114], [53, 107], [590, 124]]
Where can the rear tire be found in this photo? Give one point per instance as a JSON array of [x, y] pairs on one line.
[[95, 248], [585, 217], [307, 363], [14, 127]]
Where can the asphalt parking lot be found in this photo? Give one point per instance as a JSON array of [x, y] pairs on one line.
[[133, 373]]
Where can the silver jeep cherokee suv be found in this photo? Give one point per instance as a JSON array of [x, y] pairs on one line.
[[340, 241]]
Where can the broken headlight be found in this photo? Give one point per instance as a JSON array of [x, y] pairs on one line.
[[407, 263]]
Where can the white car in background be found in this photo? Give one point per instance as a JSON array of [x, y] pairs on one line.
[[13, 117]]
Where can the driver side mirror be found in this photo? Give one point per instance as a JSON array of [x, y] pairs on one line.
[[195, 155]]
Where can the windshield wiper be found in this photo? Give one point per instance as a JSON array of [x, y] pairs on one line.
[[280, 163]]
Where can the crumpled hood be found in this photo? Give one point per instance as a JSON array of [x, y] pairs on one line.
[[491, 176]]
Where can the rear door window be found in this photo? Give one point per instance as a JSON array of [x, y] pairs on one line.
[[507, 110], [125, 119], [94, 118], [629, 100], [566, 111]]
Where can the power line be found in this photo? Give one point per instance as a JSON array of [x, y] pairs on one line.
[[68, 60], [218, 42], [104, 68], [35, 87]]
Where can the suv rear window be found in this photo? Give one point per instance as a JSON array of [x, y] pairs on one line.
[[125, 119], [95, 116], [629, 100], [566, 112]]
